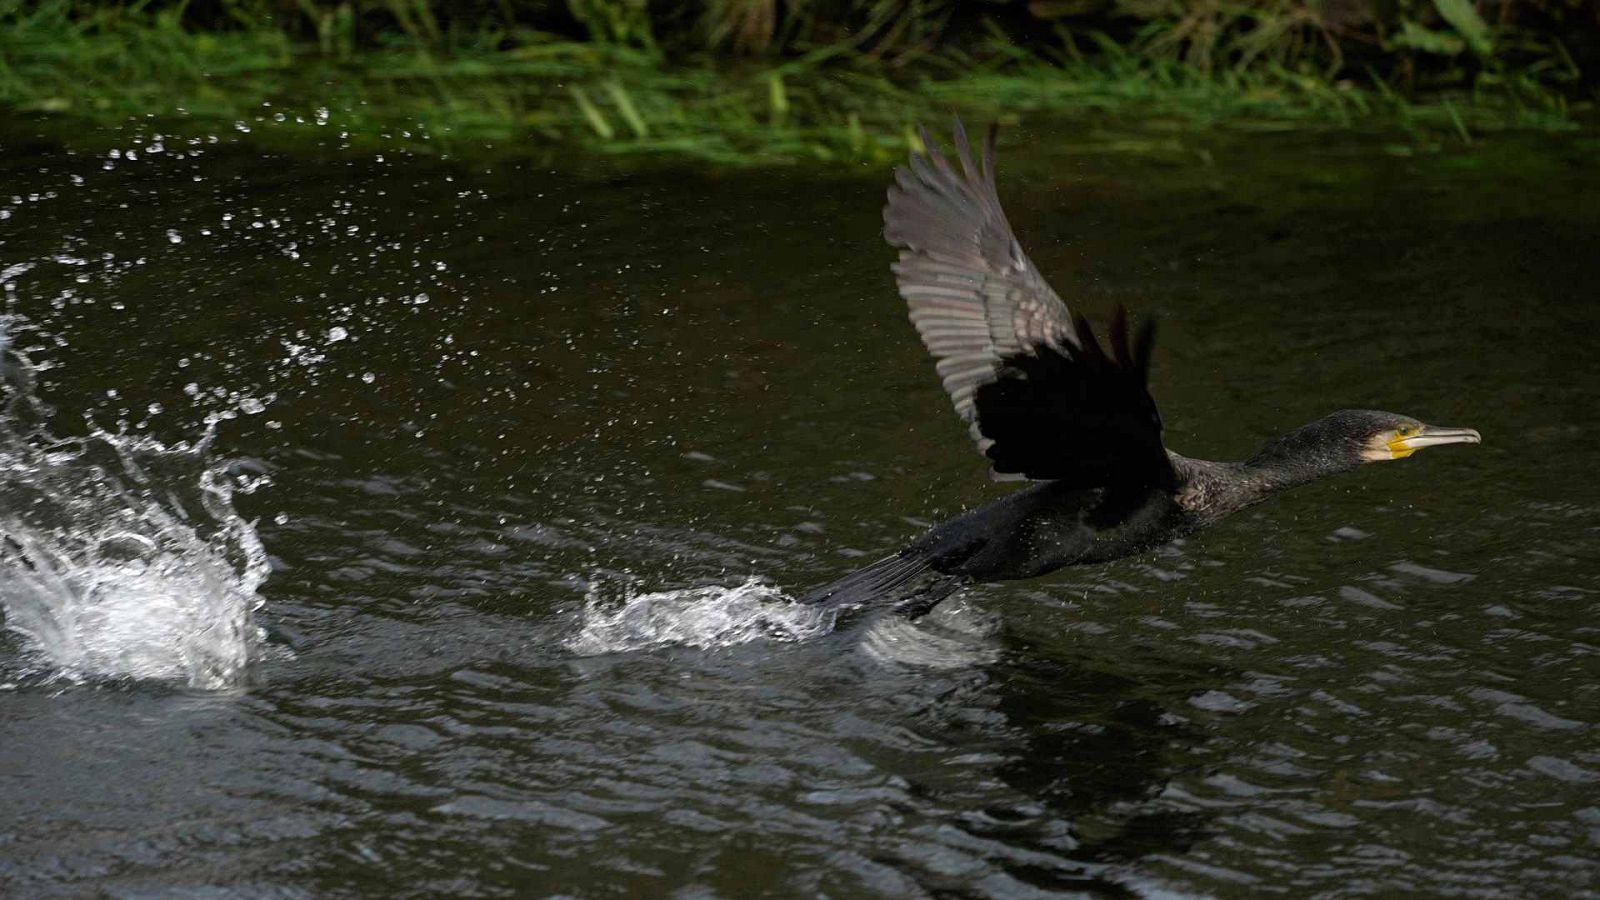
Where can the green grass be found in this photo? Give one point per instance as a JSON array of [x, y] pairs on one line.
[[429, 84]]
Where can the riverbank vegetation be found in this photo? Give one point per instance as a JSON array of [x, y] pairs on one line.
[[741, 80]]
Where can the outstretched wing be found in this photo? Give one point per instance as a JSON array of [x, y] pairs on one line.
[[1039, 395]]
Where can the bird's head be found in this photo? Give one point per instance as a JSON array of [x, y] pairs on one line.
[[1351, 437], [1392, 436]]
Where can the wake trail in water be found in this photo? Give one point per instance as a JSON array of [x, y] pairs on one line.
[[702, 617], [121, 556], [954, 635]]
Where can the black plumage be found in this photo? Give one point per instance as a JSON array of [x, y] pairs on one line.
[[1103, 425], [1045, 401]]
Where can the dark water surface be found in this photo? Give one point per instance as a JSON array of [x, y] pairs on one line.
[[496, 403]]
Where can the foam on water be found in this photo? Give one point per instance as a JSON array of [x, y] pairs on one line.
[[704, 617], [120, 556]]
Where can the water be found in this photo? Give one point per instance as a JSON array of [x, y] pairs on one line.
[[539, 456], [120, 557], [708, 617]]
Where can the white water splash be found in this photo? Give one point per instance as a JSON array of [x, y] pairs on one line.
[[121, 557], [705, 617]]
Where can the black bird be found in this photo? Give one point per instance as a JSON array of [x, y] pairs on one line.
[[1045, 402]]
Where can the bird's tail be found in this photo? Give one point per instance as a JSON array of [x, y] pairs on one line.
[[877, 583]]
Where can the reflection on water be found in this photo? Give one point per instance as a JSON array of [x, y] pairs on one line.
[[531, 435]]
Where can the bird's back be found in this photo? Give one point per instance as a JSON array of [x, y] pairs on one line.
[[1049, 525]]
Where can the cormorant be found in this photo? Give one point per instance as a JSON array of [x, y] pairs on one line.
[[1045, 402]]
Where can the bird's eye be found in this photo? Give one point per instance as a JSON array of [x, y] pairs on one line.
[[1404, 430]]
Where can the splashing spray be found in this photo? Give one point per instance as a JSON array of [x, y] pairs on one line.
[[121, 556]]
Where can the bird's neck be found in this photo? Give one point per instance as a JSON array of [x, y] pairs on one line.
[[1212, 490], [1269, 475], [1301, 456]]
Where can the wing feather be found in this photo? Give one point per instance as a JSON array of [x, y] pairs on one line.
[[1039, 395]]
